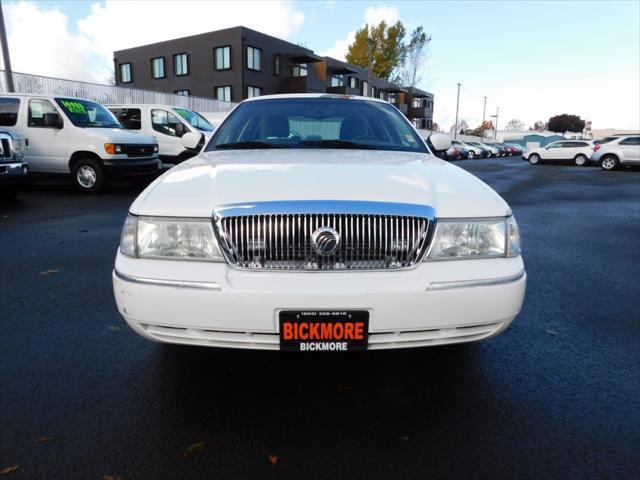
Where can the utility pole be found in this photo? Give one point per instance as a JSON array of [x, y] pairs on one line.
[[455, 134], [484, 111], [495, 126], [5, 53]]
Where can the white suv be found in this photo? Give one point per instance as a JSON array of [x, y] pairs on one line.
[[577, 150], [612, 152]]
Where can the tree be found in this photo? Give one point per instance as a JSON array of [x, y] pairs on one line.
[[416, 54], [480, 131], [539, 126], [566, 123], [462, 126], [387, 48], [515, 124]]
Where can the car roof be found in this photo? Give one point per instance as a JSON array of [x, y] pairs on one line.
[[37, 95], [312, 95], [138, 105]]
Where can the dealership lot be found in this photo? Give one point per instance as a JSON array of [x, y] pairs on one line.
[[82, 396]]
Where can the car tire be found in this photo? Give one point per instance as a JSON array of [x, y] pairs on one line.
[[89, 175], [609, 162], [580, 160], [534, 159]]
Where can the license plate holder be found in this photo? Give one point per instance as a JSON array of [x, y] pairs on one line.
[[323, 330]]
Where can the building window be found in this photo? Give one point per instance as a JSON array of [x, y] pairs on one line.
[[300, 70], [157, 67], [392, 98], [253, 58], [276, 65], [353, 82], [182, 93], [337, 80], [373, 91], [381, 95], [365, 88], [253, 92], [222, 58], [417, 103], [125, 73], [181, 64], [223, 93]]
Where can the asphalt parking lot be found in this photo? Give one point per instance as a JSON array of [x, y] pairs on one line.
[[556, 395]]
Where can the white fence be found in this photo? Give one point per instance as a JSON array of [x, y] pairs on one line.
[[36, 84]]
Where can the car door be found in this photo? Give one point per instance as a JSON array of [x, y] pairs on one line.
[[630, 148], [167, 129], [552, 151], [45, 146]]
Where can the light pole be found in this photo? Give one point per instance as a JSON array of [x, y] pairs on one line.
[[5, 53], [484, 111], [495, 126], [455, 134]]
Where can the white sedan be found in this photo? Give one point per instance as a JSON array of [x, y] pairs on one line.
[[318, 222], [578, 151]]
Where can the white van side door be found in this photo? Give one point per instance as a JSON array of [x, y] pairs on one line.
[[46, 146]]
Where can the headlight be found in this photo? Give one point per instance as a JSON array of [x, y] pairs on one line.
[[155, 148], [469, 239], [172, 238], [112, 148]]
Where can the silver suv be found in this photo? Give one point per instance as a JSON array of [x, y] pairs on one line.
[[612, 152]]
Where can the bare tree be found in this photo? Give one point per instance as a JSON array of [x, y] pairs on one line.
[[540, 126], [417, 54], [515, 124], [462, 126]]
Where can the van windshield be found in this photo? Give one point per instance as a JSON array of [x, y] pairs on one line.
[[195, 119], [84, 113]]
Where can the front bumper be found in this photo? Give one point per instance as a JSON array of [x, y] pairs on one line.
[[132, 166], [212, 304], [13, 173]]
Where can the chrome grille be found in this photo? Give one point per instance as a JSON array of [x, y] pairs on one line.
[[278, 235]]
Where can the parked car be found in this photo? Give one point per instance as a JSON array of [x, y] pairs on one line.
[[292, 233], [13, 170], [485, 151], [494, 151], [577, 151], [77, 137], [502, 150], [612, 152], [474, 152], [515, 148], [167, 125]]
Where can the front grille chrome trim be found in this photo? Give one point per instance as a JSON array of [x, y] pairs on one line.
[[277, 236]]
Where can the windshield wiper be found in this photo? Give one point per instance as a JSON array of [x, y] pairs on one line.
[[251, 144], [338, 144]]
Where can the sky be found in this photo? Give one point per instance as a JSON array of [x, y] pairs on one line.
[[531, 59]]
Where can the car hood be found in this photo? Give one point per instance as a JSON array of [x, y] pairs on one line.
[[195, 187], [118, 135]]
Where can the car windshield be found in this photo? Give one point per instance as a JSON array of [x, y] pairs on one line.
[[195, 119], [84, 113], [317, 123]]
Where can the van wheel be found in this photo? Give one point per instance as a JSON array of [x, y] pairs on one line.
[[609, 162], [88, 175], [534, 159], [580, 160]]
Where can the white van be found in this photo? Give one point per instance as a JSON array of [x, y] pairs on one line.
[[73, 136], [167, 125]]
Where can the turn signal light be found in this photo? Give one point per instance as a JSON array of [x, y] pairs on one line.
[[112, 148]]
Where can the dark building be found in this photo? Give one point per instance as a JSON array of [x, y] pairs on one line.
[[238, 63]]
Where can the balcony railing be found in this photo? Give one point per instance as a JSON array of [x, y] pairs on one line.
[[306, 85]]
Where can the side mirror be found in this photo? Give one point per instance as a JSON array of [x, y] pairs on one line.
[[52, 120], [191, 140], [439, 142], [181, 129]]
